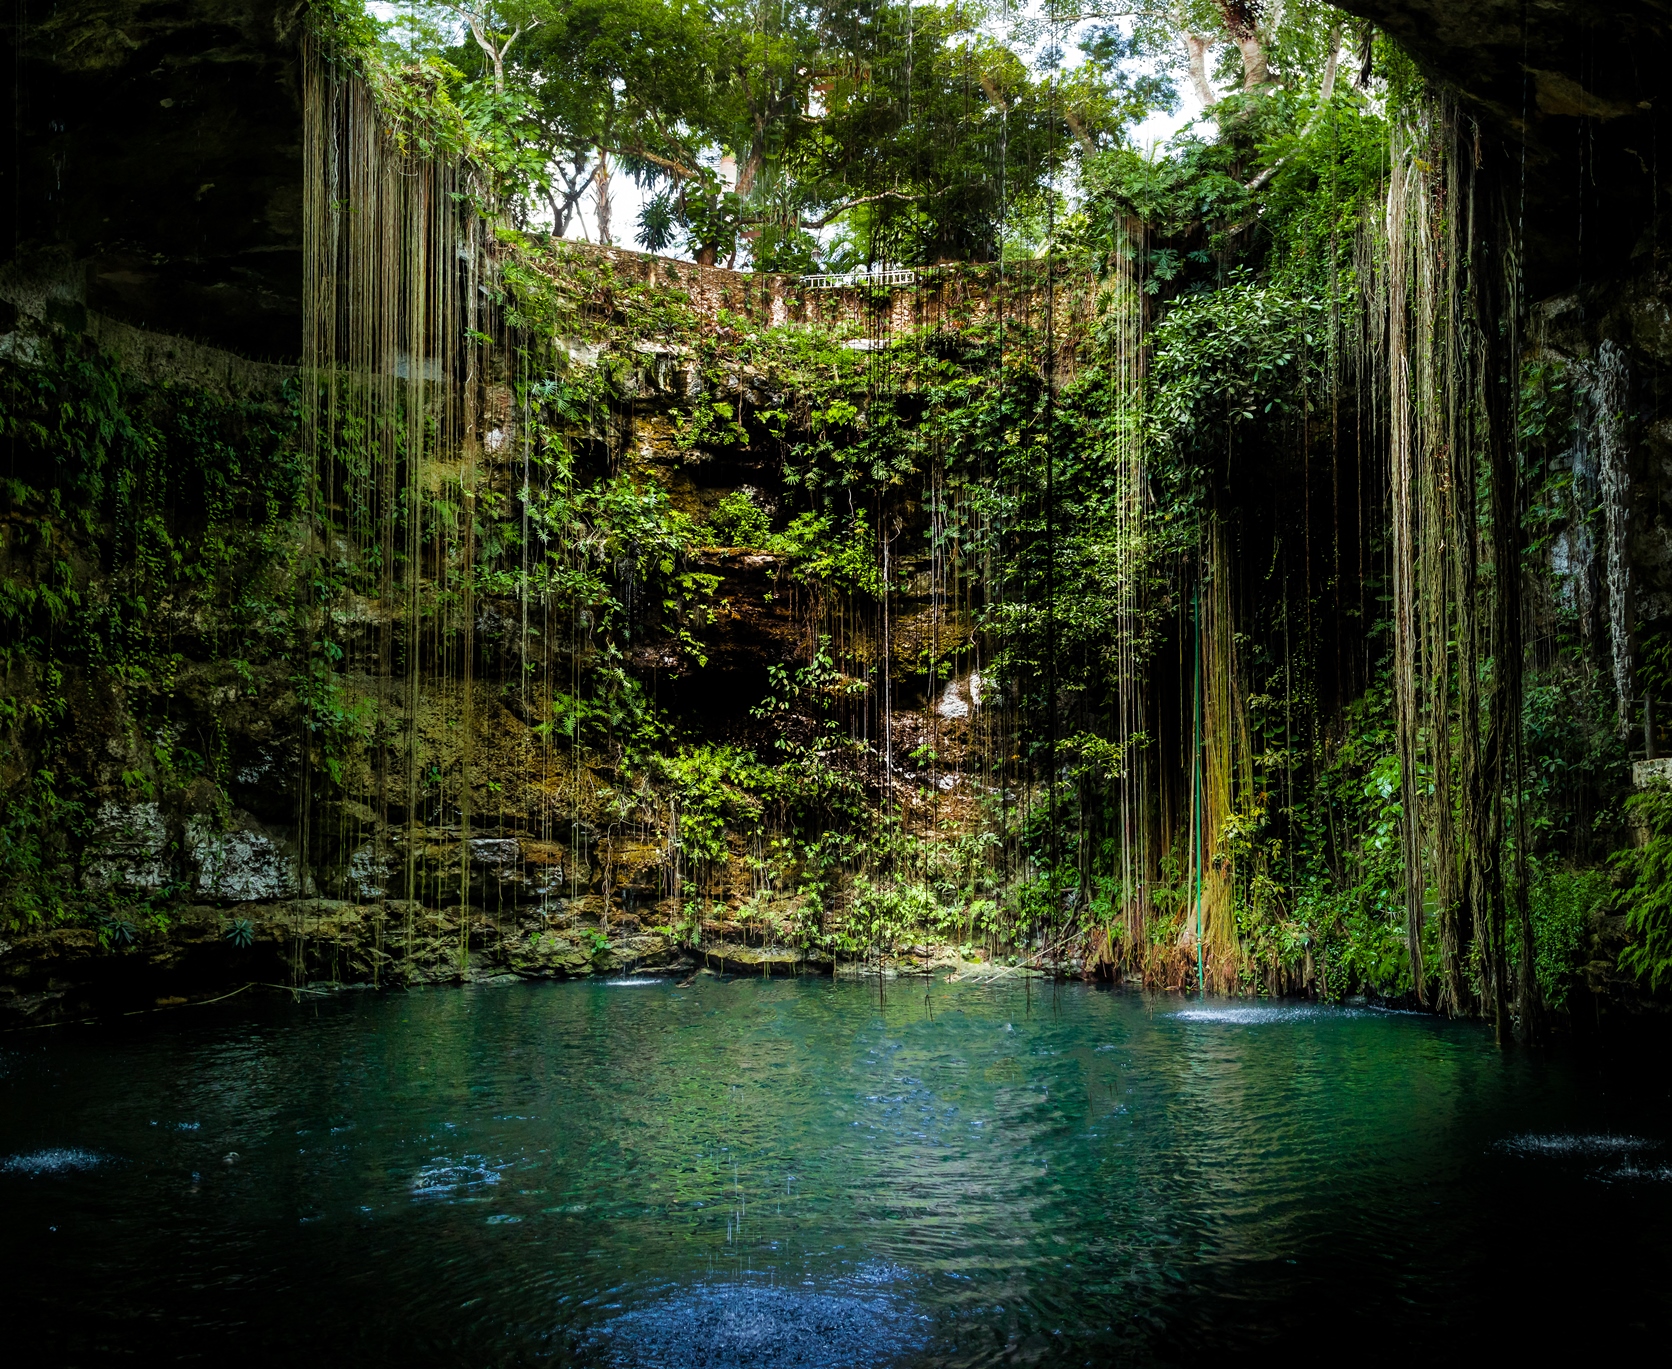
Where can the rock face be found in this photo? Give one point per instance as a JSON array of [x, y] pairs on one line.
[[1574, 95], [154, 172], [241, 865], [128, 849], [204, 951], [188, 259], [72, 971]]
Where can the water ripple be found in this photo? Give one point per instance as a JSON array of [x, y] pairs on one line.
[[61, 1160], [443, 1175], [718, 1325], [1256, 1016], [1592, 1145], [773, 1172]]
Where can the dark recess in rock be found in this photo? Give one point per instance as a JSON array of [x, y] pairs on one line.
[[156, 155], [1581, 90]]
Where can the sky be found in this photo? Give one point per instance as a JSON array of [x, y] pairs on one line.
[[627, 199]]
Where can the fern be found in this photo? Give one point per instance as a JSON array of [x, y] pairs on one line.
[[1648, 900]]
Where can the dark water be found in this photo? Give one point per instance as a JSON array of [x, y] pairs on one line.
[[770, 1173]]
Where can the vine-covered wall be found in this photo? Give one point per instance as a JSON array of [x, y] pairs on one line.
[[1281, 624]]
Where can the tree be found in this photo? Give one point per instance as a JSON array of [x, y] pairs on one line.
[[626, 83], [495, 25], [905, 128], [1201, 28], [927, 128]]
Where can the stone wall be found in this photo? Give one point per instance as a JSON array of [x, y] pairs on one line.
[[939, 296]]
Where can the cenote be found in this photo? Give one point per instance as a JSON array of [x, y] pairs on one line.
[[805, 1172], [834, 682]]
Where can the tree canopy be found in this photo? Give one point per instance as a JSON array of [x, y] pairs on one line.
[[837, 132]]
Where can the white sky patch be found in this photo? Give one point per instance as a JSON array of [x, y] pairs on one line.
[[388, 11], [1159, 129]]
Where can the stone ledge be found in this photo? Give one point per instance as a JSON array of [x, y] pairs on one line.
[[1645, 773]]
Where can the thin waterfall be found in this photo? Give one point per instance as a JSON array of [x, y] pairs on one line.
[[1124, 317], [396, 391]]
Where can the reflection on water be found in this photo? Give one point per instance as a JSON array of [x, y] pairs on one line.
[[771, 1172]]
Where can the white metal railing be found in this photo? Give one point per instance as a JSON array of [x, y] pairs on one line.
[[887, 276]]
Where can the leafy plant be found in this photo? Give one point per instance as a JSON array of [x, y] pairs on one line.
[[1647, 897], [118, 929]]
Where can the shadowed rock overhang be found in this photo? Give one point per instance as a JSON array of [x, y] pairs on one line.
[[154, 172], [1571, 97]]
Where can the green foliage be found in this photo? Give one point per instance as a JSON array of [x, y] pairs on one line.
[[881, 918], [812, 545], [739, 521], [1226, 356], [118, 930], [717, 790], [36, 870], [1191, 184], [1561, 902], [1341, 838], [350, 32], [844, 562], [1647, 898], [128, 504], [1575, 760]]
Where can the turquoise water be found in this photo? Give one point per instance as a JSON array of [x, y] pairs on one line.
[[800, 1172]]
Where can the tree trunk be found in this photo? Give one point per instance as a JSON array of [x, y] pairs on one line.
[[478, 22], [751, 166], [1327, 90], [1255, 71], [1196, 54], [1242, 23], [601, 187]]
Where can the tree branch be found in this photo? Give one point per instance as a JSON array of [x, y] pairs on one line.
[[677, 170], [1078, 129], [1196, 54], [1325, 92], [854, 204], [477, 19]]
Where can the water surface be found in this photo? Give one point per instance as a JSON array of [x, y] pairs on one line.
[[800, 1172]]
